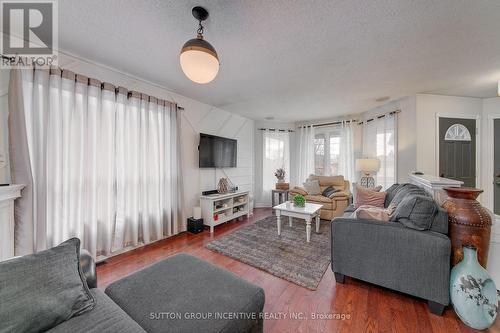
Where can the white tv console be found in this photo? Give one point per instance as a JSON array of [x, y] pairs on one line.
[[220, 208]]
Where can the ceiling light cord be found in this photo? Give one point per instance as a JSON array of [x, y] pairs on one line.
[[200, 30]]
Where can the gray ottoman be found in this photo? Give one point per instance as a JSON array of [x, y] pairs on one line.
[[186, 294]]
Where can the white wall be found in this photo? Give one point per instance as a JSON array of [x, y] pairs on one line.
[[197, 117], [428, 108], [260, 201], [4, 133], [407, 136], [491, 110]]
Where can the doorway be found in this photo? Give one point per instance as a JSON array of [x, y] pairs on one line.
[[457, 150]]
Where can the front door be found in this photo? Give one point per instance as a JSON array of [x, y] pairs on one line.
[[457, 150], [496, 166]]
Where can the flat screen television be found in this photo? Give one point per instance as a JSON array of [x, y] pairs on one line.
[[217, 152]]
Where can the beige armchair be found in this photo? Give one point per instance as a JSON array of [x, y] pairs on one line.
[[333, 207]]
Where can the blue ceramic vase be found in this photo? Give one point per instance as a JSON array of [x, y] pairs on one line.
[[473, 292]]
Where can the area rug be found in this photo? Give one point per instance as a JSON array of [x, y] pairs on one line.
[[288, 256]]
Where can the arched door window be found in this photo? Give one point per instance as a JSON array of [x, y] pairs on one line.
[[457, 132]]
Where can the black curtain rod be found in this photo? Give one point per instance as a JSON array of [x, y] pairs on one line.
[[276, 130], [336, 123], [353, 120], [10, 58], [379, 117]]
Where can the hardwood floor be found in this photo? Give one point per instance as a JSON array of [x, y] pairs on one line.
[[370, 308]]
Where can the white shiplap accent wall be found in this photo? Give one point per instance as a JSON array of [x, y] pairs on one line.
[[225, 124]]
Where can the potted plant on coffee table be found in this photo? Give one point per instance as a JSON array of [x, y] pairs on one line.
[[299, 200]]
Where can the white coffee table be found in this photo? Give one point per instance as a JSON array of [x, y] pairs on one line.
[[307, 213]]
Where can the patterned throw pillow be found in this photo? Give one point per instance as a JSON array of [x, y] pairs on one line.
[[368, 197], [329, 191]]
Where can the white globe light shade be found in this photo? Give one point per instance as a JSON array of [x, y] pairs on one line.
[[199, 61]]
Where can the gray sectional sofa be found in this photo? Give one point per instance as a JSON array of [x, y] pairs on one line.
[[396, 254], [179, 294]]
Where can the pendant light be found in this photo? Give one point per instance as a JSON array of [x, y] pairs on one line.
[[199, 60]]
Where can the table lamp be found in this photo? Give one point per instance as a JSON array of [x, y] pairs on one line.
[[368, 166]]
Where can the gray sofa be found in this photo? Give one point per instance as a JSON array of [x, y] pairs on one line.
[[393, 255]]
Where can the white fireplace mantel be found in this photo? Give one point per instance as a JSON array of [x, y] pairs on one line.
[[7, 196]]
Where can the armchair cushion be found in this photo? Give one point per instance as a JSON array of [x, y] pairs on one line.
[[318, 198], [341, 195], [335, 181]]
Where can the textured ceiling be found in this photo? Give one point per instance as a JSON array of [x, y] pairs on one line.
[[297, 60]]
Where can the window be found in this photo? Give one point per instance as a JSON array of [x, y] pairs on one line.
[[319, 154], [379, 141], [326, 153], [333, 163], [386, 156], [276, 155], [457, 132]]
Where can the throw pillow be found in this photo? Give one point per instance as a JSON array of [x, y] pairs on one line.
[[41, 290], [372, 213], [391, 192], [407, 190], [329, 191], [369, 197], [416, 212], [355, 186], [312, 187]]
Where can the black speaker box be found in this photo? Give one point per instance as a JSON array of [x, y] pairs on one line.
[[195, 226]]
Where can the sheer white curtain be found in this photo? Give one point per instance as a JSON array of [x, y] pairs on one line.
[[148, 182], [98, 165], [346, 155], [305, 158], [276, 154], [379, 141]]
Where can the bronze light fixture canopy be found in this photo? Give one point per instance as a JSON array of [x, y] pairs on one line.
[[199, 60]]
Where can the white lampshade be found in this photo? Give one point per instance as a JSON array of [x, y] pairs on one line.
[[199, 60], [367, 165]]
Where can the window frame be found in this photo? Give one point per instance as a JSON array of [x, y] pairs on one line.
[[326, 135]]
